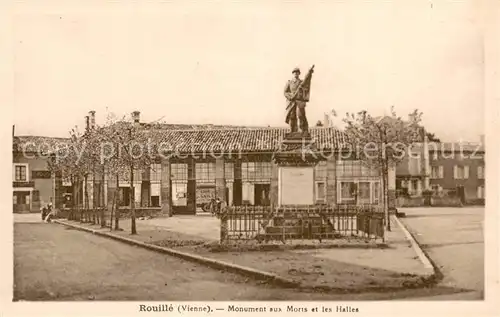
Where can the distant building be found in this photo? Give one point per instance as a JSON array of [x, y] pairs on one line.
[[32, 183], [456, 169], [460, 168]]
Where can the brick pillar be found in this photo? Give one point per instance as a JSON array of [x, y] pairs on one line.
[[220, 180], [191, 186], [237, 185], [331, 181], [165, 188], [274, 190]]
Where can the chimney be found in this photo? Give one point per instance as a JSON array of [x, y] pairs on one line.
[[13, 130], [482, 139], [136, 116], [326, 120], [87, 123], [92, 119]]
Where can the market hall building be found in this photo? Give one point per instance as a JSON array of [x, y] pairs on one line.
[[237, 166], [234, 164]]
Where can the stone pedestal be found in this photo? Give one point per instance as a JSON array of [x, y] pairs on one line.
[[295, 162], [295, 185]]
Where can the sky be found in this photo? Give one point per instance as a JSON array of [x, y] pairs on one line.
[[228, 62]]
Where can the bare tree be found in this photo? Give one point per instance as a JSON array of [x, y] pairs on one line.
[[382, 142], [126, 140]]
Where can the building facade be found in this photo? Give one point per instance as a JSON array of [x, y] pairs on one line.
[[234, 164], [446, 169], [33, 184], [458, 168]]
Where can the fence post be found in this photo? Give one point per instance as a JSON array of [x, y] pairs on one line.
[[223, 224]]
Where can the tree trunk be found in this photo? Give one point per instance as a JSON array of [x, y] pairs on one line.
[[86, 203], [115, 202], [94, 198], [80, 210], [71, 215], [101, 197], [112, 211], [132, 201], [385, 183]]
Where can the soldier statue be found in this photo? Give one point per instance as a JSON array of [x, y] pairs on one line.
[[297, 94]]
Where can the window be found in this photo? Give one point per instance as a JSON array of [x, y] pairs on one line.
[[229, 171], [364, 192], [248, 193], [480, 192], [437, 172], [256, 172], [320, 171], [124, 196], [20, 173], [354, 168], [414, 164], [460, 172], [155, 177], [414, 186], [480, 172], [376, 192], [124, 176], [179, 172], [320, 191], [21, 198], [155, 201], [179, 194], [347, 192], [205, 172]]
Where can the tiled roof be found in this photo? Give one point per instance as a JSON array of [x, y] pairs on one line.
[[183, 126], [233, 139], [31, 143], [243, 139], [202, 140]]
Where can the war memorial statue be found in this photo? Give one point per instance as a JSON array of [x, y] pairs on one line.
[[297, 94]]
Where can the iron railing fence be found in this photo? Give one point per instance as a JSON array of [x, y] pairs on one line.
[[321, 222]]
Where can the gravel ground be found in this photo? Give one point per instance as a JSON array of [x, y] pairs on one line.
[[54, 263], [453, 238]]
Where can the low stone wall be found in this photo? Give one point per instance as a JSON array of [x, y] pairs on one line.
[[445, 202], [124, 213], [435, 201], [410, 201], [142, 212], [475, 202]]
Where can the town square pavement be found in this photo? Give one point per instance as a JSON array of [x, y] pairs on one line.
[[55, 263], [454, 240]]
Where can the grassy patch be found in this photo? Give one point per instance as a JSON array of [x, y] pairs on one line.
[[317, 273]]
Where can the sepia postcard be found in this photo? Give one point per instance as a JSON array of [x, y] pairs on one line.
[[248, 157]]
